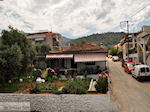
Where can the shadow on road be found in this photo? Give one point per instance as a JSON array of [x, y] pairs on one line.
[[143, 79]]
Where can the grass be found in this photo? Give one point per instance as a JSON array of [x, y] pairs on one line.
[[15, 85], [10, 88]]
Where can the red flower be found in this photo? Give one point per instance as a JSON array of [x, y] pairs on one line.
[[104, 76], [99, 75], [30, 89], [48, 69], [53, 70]]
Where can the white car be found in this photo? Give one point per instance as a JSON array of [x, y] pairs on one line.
[[141, 71], [115, 58]]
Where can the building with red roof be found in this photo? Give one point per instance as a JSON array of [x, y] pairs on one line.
[[50, 38], [79, 58]]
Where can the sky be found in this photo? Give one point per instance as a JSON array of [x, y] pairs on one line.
[[73, 18]]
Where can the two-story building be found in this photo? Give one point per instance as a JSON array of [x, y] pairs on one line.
[[50, 38]]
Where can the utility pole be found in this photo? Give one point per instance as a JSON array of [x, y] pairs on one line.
[[128, 37], [127, 30]]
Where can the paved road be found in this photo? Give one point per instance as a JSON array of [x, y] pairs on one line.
[[127, 92]]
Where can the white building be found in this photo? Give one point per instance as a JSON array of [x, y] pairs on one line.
[[136, 46]]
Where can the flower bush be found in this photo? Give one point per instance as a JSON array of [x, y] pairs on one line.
[[36, 89], [51, 72], [102, 82]]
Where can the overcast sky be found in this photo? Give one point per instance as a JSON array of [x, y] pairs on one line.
[[72, 18]]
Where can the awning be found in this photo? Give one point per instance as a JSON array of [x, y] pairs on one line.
[[91, 57], [59, 56]]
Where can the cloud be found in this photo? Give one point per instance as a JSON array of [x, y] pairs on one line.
[[76, 17]]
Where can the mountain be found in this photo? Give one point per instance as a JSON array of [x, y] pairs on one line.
[[65, 41], [106, 39]]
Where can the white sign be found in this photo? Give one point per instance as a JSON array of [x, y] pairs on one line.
[[14, 106]]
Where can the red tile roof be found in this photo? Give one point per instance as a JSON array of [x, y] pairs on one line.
[[55, 51], [43, 33], [85, 47]]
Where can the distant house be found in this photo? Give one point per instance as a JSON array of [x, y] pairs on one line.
[[50, 38], [136, 46], [78, 58]]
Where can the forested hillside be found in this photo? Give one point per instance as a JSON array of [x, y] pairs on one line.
[[108, 39]]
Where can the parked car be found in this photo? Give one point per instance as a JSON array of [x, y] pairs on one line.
[[141, 71], [115, 58], [128, 67]]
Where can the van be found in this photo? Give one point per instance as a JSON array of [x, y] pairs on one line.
[[141, 71]]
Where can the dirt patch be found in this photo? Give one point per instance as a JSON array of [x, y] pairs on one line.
[[59, 84]]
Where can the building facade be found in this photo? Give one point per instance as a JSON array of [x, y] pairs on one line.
[[50, 38], [79, 58], [136, 46]]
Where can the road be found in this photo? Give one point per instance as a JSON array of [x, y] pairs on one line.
[[129, 94]]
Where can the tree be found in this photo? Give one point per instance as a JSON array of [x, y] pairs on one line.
[[42, 49], [16, 53], [10, 61], [14, 36], [113, 51]]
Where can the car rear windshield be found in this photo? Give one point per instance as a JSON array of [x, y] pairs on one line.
[[145, 69], [130, 65]]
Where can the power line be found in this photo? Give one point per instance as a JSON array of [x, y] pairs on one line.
[[135, 13], [139, 10]]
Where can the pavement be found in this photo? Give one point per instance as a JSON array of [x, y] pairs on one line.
[[129, 94], [92, 86], [63, 103]]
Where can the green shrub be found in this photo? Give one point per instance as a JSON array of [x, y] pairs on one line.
[[55, 90], [59, 75], [37, 89], [113, 51], [101, 85], [49, 87], [10, 88], [51, 79], [50, 74], [76, 86]]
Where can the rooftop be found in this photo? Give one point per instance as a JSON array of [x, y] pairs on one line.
[[86, 47], [42, 33], [82, 47]]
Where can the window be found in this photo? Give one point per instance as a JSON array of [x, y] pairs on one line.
[[130, 65], [142, 70], [147, 69], [90, 63], [55, 42]]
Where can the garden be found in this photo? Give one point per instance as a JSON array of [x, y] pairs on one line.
[[54, 83]]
